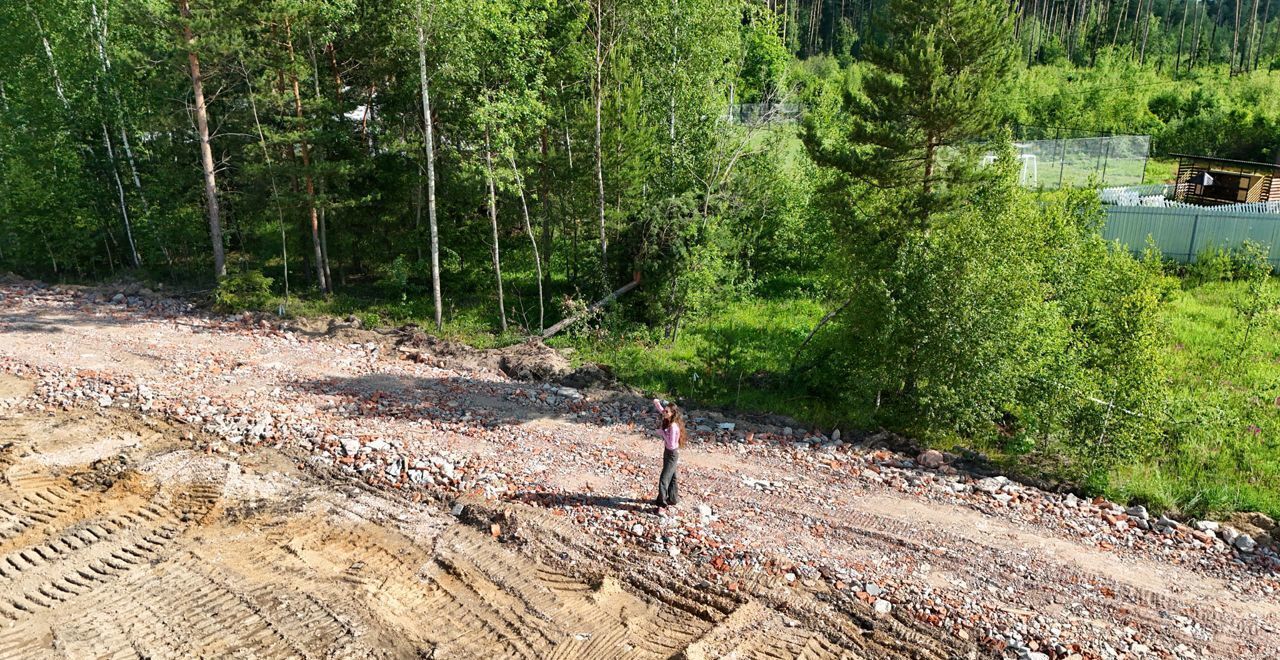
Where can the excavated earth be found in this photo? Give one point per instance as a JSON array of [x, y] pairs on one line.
[[177, 485], [181, 554]]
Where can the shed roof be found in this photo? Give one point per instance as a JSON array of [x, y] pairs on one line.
[[1273, 167]]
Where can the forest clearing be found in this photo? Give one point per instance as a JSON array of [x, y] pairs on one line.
[[679, 328], [317, 492]]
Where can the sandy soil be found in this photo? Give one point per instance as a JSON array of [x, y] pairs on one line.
[[147, 510], [182, 554]]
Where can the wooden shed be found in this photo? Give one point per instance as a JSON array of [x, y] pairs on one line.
[[1209, 181]]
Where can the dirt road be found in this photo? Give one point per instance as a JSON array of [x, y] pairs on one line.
[[178, 485]]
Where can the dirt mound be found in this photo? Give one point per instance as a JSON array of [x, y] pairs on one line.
[[415, 345], [13, 388], [102, 473], [348, 330], [532, 361], [591, 376]]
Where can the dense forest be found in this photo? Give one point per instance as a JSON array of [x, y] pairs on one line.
[[490, 167], [1173, 36]]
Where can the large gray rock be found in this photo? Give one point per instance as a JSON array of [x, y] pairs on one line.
[[930, 458], [1206, 526]]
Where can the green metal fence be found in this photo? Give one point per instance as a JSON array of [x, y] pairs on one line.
[[1182, 233]]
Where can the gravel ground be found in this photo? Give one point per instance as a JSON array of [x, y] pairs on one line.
[[1018, 571]]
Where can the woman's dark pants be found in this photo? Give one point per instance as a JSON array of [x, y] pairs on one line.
[[667, 491]]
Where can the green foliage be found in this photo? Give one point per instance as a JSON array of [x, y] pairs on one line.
[[950, 63], [764, 56], [1221, 452], [394, 276], [1256, 305], [1206, 112], [250, 290]]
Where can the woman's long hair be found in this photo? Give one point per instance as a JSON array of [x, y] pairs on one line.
[[675, 416]]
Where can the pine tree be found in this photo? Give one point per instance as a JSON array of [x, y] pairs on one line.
[[939, 75]]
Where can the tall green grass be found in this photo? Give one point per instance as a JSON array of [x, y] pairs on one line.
[[1224, 403]]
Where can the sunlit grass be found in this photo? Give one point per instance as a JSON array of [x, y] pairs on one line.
[[1225, 400]]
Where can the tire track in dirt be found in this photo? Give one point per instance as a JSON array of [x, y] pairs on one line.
[[1149, 598], [192, 556]]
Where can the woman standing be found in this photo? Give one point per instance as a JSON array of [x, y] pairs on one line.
[[672, 441]]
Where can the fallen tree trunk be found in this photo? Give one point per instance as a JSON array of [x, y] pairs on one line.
[[564, 323], [825, 319]]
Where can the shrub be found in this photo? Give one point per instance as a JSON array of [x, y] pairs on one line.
[[250, 290], [1213, 264]]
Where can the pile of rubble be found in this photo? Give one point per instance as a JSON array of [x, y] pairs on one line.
[[411, 420]]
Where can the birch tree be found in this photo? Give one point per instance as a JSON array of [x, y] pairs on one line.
[[605, 29], [494, 246], [429, 148]]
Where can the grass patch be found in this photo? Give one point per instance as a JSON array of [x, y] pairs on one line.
[[739, 358], [1224, 453]]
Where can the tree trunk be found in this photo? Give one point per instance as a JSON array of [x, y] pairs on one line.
[[316, 244], [571, 214], [1032, 35], [1235, 39], [1195, 40], [324, 215], [431, 172], [1253, 38], [1275, 41], [930, 147], [419, 201], [206, 151], [493, 222], [1217, 22], [564, 323], [528, 228], [1262, 35], [324, 243], [53, 64], [1115, 37], [544, 195], [598, 90], [1146, 30], [675, 37], [1099, 26], [124, 207], [1182, 32], [1133, 32], [275, 193], [100, 29]]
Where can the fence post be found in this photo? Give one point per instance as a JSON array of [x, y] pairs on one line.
[[1106, 158], [1062, 158], [1191, 249]]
